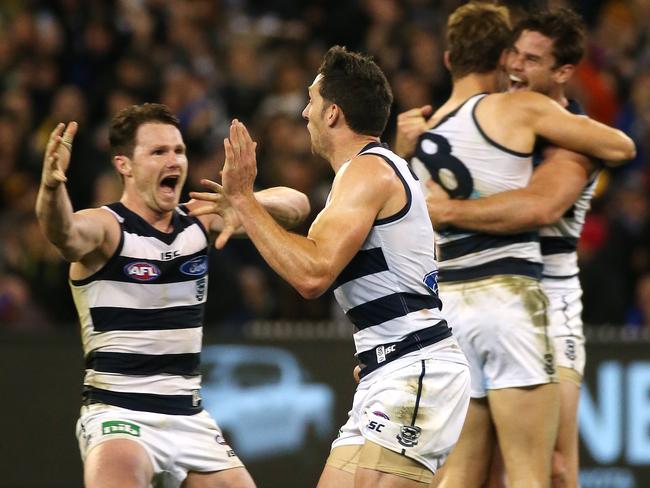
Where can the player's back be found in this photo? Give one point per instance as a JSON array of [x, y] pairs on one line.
[[459, 156]]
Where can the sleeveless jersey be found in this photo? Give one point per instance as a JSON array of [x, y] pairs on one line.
[[460, 157], [559, 240], [142, 317], [389, 289]]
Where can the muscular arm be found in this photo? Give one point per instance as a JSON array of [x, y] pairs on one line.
[[286, 206], [75, 235], [577, 133], [311, 264], [555, 185]]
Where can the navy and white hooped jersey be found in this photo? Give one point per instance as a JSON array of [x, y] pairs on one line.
[[559, 240], [142, 316], [460, 157], [389, 289]]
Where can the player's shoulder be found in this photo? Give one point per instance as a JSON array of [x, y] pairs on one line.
[[367, 173], [517, 99], [373, 166], [99, 213]]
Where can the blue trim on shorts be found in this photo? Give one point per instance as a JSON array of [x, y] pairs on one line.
[[368, 360]]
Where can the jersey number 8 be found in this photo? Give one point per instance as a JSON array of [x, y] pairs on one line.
[[434, 151]]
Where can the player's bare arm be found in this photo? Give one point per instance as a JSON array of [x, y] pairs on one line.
[[77, 235], [287, 206], [312, 263], [529, 114], [554, 187]]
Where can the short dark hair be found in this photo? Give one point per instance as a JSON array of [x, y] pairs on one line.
[[125, 123], [564, 27], [355, 83], [477, 35]]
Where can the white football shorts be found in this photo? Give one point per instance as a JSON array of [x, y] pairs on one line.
[[565, 314], [176, 444], [501, 324], [415, 405]]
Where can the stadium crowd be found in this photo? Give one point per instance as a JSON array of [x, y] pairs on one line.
[[212, 60]]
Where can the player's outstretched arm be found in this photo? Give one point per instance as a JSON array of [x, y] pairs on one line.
[[74, 234], [577, 133], [554, 187], [310, 264], [287, 206]]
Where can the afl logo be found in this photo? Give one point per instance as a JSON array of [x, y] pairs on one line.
[[195, 267], [142, 271]]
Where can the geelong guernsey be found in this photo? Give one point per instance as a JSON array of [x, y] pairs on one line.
[[460, 157], [559, 240], [142, 316], [389, 289]]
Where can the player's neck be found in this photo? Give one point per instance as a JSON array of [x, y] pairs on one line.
[[348, 146], [158, 219], [472, 84], [557, 94]]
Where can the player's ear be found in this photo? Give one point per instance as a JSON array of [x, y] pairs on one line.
[[563, 73], [123, 165], [333, 114], [446, 60]]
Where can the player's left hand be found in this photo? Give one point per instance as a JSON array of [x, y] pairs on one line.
[[410, 125], [240, 168], [217, 203], [356, 373], [437, 198]]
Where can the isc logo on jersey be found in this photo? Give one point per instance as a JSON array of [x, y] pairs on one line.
[[142, 271]]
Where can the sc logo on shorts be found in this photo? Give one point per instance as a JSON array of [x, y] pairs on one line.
[[376, 426], [409, 435], [570, 349]]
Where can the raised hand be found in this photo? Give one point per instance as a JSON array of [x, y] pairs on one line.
[[57, 154], [410, 125], [240, 168], [217, 203]]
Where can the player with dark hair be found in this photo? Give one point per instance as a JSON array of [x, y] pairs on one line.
[[480, 143], [372, 244], [547, 48], [138, 276]]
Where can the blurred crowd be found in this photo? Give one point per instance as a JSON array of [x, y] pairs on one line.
[[212, 60]]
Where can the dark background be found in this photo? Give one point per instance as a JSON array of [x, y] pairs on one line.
[[41, 384]]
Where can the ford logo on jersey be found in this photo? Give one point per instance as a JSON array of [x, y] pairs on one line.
[[195, 267], [142, 271]]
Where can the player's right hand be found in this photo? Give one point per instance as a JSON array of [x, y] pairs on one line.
[[57, 154], [410, 125]]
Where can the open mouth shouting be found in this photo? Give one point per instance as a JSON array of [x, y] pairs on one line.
[[516, 83], [169, 184]]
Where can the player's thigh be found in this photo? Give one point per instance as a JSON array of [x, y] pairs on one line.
[[370, 478], [228, 478], [568, 424], [566, 456], [526, 422], [468, 463], [372, 465], [340, 467], [118, 463]]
